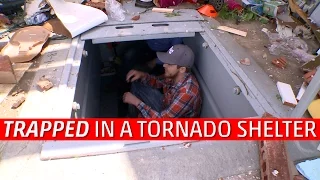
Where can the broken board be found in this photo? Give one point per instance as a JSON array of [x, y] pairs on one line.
[[232, 30]]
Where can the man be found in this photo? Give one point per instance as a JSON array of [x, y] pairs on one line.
[[181, 90]]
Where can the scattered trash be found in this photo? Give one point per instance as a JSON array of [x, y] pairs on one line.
[[302, 30], [208, 10], [17, 92], [162, 10], [264, 56], [38, 18], [275, 172], [187, 145], [309, 75], [18, 102], [279, 62], [292, 46], [245, 61], [173, 14], [44, 84], [135, 18], [310, 169], [115, 10], [26, 43]]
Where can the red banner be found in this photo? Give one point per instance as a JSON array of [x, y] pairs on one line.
[[159, 129]]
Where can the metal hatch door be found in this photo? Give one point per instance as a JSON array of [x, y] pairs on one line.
[[151, 25]]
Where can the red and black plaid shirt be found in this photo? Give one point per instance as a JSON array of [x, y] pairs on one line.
[[181, 100]]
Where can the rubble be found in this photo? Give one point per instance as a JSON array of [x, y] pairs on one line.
[[44, 84], [245, 61], [279, 62], [18, 102]]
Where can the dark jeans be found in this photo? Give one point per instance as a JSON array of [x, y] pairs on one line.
[[150, 96]]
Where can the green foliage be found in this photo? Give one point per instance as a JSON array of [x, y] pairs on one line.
[[244, 15], [173, 14]]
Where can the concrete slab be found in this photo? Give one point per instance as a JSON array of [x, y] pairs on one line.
[[202, 160]]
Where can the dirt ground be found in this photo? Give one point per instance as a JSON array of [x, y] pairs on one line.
[[256, 43]]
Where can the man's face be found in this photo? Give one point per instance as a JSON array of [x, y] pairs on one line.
[[171, 71]]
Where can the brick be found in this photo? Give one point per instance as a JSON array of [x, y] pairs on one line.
[[273, 156], [279, 62], [44, 84], [7, 75]]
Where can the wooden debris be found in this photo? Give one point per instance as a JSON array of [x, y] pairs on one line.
[[301, 91], [17, 92], [309, 75], [7, 75], [287, 96], [309, 66], [18, 102], [187, 145], [44, 84], [245, 61], [135, 18], [279, 62], [232, 30], [162, 10]]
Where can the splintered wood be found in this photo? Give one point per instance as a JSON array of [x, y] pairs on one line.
[[44, 84], [232, 30]]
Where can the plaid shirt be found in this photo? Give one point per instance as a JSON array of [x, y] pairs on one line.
[[180, 100]]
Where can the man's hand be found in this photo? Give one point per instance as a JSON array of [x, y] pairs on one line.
[[134, 75], [129, 98]]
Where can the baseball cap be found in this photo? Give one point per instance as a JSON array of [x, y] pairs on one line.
[[179, 54]]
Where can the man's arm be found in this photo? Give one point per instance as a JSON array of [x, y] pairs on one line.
[[176, 109]]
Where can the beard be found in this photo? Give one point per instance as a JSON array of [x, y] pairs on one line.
[[170, 75]]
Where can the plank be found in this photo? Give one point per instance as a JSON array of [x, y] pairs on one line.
[[232, 30], [128, 31], [163, 10]]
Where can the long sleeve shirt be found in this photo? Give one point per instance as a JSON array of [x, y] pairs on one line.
[[182, 99]]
